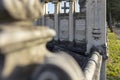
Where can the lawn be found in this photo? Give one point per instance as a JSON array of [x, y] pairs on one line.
[[113, 63]]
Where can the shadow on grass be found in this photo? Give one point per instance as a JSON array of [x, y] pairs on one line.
[[113, 78]]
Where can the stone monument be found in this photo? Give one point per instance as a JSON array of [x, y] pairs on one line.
[[23, 46], [23, 50], [20, 41]]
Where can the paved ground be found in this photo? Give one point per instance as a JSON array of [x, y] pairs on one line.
[[117, 31]]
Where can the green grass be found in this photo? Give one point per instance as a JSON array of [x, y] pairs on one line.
[[113, 63]]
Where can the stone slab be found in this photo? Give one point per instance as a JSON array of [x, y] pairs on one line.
[[64, 30], [80, 30], [50, 22]]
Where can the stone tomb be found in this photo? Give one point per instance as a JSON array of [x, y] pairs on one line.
[[69, 26], [79, 27], [19, 38]]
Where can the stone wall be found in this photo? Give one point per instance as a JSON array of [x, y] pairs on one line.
[[63, 32]]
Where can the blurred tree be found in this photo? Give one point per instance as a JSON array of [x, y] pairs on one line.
[[113, 12], [115, 8]]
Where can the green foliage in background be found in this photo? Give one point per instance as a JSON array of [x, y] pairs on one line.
[[113, 8], [113, 63]]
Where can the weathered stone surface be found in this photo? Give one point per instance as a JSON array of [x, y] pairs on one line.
[[93, 67], [63, 27], [21, 42], [25, 43], [12, 34], [80, 35], [20, 9], [63, 62], [50, 22], [96, 23], [64, 30]]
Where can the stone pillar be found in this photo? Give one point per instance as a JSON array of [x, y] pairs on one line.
[[102, 25], [45, 9], [96, 19], [90, 16], [60, 5], [102, 20], [56, 19], [71, 21], [75, 6], [96, 23]]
